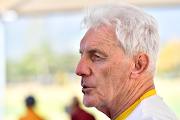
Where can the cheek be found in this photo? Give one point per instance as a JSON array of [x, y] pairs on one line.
[[112, 73], [109, 76], [103, 79], [116, 74], [108, 69], [112, 70], [104, 73]]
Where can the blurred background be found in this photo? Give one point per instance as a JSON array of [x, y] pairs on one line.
[[39, 51]]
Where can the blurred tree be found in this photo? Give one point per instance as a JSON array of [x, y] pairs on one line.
[[169, 58], [41, 61]]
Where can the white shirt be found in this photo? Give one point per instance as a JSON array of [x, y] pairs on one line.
[[152, 108]]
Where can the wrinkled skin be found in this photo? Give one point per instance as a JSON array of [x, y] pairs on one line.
[[104, 69]]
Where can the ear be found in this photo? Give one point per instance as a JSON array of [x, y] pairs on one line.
[[141, 64]]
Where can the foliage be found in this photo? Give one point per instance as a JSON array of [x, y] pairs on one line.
[[42, 61], [169, 58]]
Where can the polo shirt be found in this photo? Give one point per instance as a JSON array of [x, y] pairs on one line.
[[149, 107]]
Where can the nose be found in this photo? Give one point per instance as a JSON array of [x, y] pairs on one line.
[[83, 67]]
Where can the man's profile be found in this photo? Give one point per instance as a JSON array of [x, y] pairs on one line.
[[119, 55]]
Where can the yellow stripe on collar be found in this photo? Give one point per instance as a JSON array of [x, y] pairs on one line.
[[126, 113]]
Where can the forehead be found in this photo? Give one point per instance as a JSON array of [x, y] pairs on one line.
[[103, 35]]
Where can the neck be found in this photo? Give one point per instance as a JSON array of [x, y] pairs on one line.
[[30, 108], [122, 102], [130, 101]]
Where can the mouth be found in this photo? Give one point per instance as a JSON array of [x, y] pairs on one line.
[[86, 89], [85, 86]]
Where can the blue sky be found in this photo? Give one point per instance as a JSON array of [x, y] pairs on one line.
[[61, 30]]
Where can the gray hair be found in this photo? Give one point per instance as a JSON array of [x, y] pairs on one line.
[[136, 30]]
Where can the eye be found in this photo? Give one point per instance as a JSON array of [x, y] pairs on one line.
[[96, 57]]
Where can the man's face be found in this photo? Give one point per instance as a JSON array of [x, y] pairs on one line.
[[103, 67]]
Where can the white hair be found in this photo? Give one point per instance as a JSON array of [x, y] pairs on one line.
[[136, 30]]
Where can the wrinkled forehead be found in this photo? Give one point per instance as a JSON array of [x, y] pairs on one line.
[[98, 36]]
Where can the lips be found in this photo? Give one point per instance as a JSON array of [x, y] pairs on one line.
[[86, 88]]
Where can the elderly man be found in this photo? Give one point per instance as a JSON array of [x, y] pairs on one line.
[[119, 55]]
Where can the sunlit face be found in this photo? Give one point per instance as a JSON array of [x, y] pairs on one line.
[[102, 66]]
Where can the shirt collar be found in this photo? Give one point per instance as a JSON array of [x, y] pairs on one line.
[[126, 113]]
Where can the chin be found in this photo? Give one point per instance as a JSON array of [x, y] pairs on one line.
[[89, 101]]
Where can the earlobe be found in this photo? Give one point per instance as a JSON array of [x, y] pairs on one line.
[[133, 75], [140, 66]]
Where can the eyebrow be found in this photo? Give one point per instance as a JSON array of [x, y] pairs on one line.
[[93, 51]]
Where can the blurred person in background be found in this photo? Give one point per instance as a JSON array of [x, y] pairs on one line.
[[77, 113], [30, 115], [119, 55]]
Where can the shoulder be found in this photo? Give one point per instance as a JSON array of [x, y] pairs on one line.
[[21, 119], [153, 108]]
